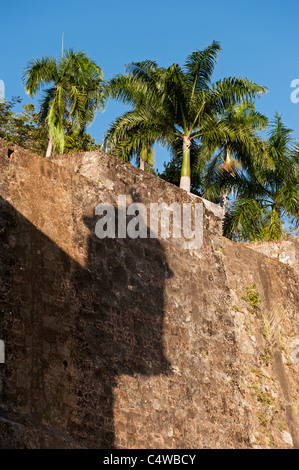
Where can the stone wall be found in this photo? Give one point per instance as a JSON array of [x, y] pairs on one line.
[[135, 343]]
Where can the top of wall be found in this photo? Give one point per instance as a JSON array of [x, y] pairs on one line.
[[284, 251], [96, 164], [106, 172]]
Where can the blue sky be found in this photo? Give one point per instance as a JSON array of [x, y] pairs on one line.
[[259, 40]]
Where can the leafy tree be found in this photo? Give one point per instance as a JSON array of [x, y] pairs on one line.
[[6, 114], [177, 104], [75, 92], [22, 128], [77, 142]]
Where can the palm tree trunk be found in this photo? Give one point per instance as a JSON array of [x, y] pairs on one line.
[[226, 166], [224, 201], [185, 182], [50, 148], [228, 157], [143, 156], [141, 164]]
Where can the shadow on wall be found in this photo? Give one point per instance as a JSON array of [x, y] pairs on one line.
[[71, 331]]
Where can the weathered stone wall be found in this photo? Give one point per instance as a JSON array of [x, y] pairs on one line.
[[135, 343], [284, 251]]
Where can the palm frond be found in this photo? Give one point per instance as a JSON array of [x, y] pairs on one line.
[[200, 66], [39, 72]]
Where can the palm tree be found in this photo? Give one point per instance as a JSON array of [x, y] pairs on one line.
[[266, 191], [75, 92], [179, 104], [126, 138], [230, 152], [134, 145]]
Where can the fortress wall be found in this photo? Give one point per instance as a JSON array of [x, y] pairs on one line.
[[135, 343], [284, 251]]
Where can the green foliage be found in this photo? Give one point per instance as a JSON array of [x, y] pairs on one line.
[[177, 106], [266, 189], [22, 128], [266, 356], [265, 398], [252, 296], [75, 141], [262, 418], [230, 153]]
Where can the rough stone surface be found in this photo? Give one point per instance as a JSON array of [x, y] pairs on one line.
[[135, 343], [284, 251]]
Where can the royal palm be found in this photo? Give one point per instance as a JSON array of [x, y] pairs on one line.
[[234, 148], [177, 104], [266, 190]]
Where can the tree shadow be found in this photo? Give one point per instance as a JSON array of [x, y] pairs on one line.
[[71, 331]]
